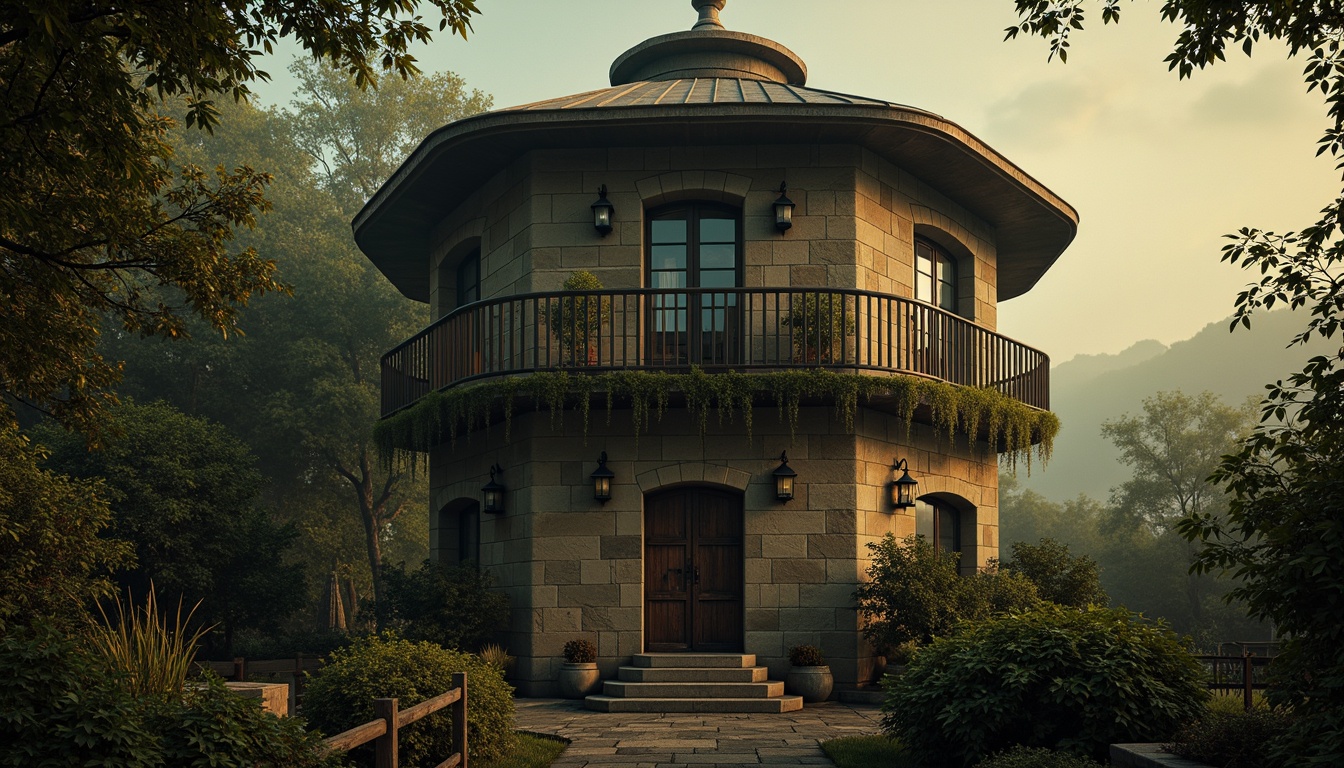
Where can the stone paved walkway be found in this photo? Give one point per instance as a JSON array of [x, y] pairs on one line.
[[609, 740]]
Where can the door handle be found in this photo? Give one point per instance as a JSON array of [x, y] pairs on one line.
[[697, 574]]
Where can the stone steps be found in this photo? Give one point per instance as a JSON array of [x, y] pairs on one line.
[[693, 682]]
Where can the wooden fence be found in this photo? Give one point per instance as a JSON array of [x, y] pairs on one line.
[[290, 671], [1237, 673], [382, 731]]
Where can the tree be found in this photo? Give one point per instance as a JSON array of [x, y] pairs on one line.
[[183, 492], [53, 562], [1062, 578], [1173, 448], [91, 211], [1282, 534]]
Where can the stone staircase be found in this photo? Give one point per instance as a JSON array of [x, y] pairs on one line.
[[693, 682]]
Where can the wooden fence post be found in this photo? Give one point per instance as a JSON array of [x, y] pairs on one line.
[[1246, 683], [239, 670], [460, 717], [385, 746]]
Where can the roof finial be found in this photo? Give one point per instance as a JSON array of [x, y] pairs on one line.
[[709, 13]]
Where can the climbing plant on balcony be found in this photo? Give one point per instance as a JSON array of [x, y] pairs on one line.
[[444, 416]]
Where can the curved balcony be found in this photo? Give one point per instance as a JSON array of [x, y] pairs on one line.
[[742, 329]]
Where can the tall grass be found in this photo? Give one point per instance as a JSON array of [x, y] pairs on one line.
[[154, 655]]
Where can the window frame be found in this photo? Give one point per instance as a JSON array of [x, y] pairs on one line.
[[693, 212], [472, 259], [940, 257]]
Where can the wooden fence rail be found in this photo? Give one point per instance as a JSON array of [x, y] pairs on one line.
[[390, 718], [1236, 673]]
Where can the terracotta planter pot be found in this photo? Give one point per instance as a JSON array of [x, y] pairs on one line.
[[578, 680], [812, 683]]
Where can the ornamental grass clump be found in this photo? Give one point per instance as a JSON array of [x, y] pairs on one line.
[[1058, 678], [340, 697], [153, 654]]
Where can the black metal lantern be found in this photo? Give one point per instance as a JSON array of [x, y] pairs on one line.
[[603, 211], [493, 492], [783, 210], [602, 480], [903, 487], [784, 476]]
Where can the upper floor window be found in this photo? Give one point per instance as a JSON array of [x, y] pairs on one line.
[[935, 276], [469, 278], [690, 246]]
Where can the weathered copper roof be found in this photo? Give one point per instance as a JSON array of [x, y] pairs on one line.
[[716, 90]]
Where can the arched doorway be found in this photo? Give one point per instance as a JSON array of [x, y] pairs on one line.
[[693, 570]]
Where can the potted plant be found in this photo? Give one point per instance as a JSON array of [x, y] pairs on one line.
[[818, 323], [576, 321], [578, 675], [809, 677]]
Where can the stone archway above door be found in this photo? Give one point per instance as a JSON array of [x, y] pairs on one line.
[[700, 474]]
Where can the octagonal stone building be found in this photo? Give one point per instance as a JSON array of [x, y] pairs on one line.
[[712, 341]]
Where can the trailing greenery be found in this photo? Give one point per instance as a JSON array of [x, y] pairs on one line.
[[341, 695], [956, 410], [1054, 677]]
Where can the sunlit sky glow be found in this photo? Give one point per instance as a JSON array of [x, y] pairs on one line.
[[1158, 168]]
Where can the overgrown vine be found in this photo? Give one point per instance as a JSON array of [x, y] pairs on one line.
[[954, 410]]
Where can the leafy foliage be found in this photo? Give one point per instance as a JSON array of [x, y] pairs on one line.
[[577, 321], [1060, 578], [806, 656], [1235, 739], [1282, 535], [184, 493], [341, 696], [63, 706], [817, 324], [1053, 677], [916, 594], [53, 562], [1036, 757], [451, 606], [442, 416], [580, 651]]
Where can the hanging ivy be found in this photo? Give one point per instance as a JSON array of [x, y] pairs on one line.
[[954, 410]]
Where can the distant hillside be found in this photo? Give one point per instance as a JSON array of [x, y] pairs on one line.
[[1091, 389]]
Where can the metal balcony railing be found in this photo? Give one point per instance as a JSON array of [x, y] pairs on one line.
[[742, 329]]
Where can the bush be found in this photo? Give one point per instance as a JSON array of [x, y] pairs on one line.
[[917, 593], [1059, 577], [341, 695], [580, 652], [451, 606], [1054, 677], [64, 707], [1032, 757], [806, 656], [1238, 739]]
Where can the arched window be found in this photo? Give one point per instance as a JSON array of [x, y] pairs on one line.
[[469, 278], [690, 246], [935, 275], [939, 523]]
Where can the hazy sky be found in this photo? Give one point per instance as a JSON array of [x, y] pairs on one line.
[[1158, 168]]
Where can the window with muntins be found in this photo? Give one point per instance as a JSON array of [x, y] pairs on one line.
[[935, 276], [692, 247]]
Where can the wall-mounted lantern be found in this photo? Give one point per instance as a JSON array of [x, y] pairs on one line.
[[602, 480], [784, 476], [492, 492], [903, 487], [783, 210], [603, 211]]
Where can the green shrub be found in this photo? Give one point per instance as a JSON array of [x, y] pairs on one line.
[[63, 706], [1053, 677], [580, 651], [1059, 577], [340, 696], [451, 606], [806, 656], [916, 593], [1237, 739], [1036, 757]]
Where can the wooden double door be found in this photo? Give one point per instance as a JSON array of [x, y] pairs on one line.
[[693, 571]]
